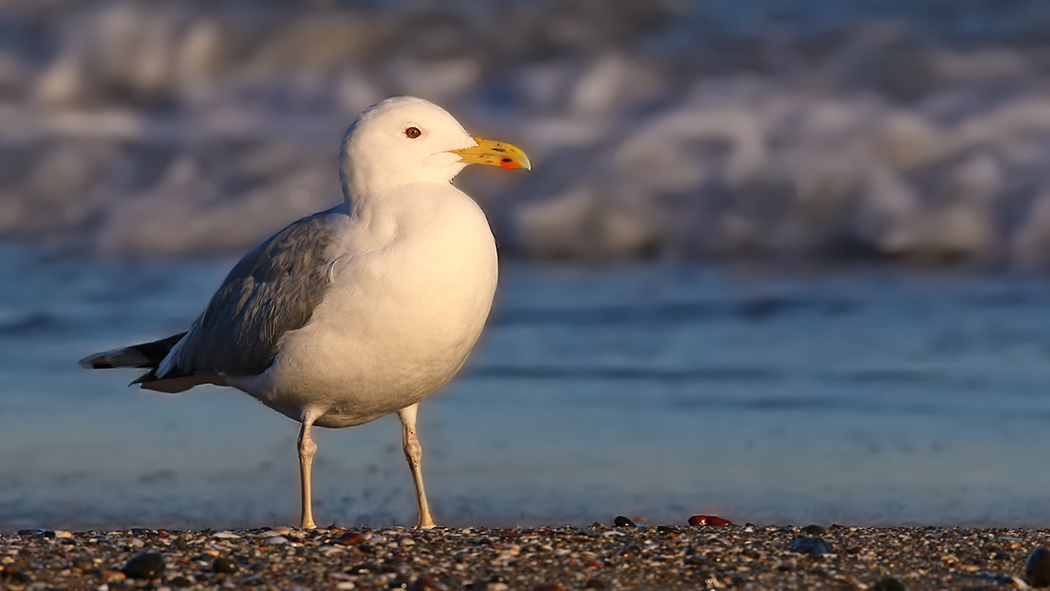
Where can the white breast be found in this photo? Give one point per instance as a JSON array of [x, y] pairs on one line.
[[408, 300]]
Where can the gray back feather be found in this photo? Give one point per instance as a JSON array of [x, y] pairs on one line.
[[272, 290]]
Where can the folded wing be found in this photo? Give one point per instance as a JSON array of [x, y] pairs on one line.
[[272, 290]]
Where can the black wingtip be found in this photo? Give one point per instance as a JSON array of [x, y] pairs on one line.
[[149, 376], [94, 362]]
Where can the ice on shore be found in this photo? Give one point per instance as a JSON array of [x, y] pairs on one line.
[[656, 129]]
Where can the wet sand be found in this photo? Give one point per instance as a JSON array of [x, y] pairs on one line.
[[600, 557]]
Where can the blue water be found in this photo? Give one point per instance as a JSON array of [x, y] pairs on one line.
[[655, 391]]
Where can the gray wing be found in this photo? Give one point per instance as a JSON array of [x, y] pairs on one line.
[[272, 290]]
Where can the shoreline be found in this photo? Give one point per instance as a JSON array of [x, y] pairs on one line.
[[539, 559]]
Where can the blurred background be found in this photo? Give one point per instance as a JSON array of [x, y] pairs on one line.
[[778, 260]]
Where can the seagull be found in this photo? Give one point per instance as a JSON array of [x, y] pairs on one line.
[[359, 311]]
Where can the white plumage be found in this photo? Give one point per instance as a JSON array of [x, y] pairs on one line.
[[359, 311]]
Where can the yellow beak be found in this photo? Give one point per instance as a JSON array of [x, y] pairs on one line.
[[495, 154]]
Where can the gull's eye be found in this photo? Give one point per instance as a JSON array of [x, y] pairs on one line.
[[412, 133]]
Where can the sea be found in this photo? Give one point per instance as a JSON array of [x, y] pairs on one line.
[[857, 395]]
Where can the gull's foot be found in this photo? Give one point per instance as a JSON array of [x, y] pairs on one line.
[[425, 523]]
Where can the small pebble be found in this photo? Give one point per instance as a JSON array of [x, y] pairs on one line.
[[226, 535], [181, 581], [622, 521], [112, 575], [1037, 569], [224, 565], [85, 565], [889, 584], [424, 584], [276, 540], [63, 534], [708, 520], [349, 539], [630, 551], [814, 530], [811, 546], [144, 566], [365, 568]]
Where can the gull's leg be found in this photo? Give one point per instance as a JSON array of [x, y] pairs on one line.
[[307, 449], [414, 454]]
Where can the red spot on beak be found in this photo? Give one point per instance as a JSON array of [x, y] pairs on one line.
[[508, 164]]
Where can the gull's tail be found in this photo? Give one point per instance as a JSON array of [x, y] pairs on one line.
[[145, 355], [149, 356]]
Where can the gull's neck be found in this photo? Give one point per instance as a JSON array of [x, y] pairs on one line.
[[392, 200]]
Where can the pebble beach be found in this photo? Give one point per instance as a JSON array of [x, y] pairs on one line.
[[624, 556]]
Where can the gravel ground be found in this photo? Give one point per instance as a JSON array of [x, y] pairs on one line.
[[619, 557]]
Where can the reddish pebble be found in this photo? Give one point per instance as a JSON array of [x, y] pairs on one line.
[[424, 584], [708, 520], [349, 539]]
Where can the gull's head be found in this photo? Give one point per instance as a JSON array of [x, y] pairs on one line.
[[409, 140]]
